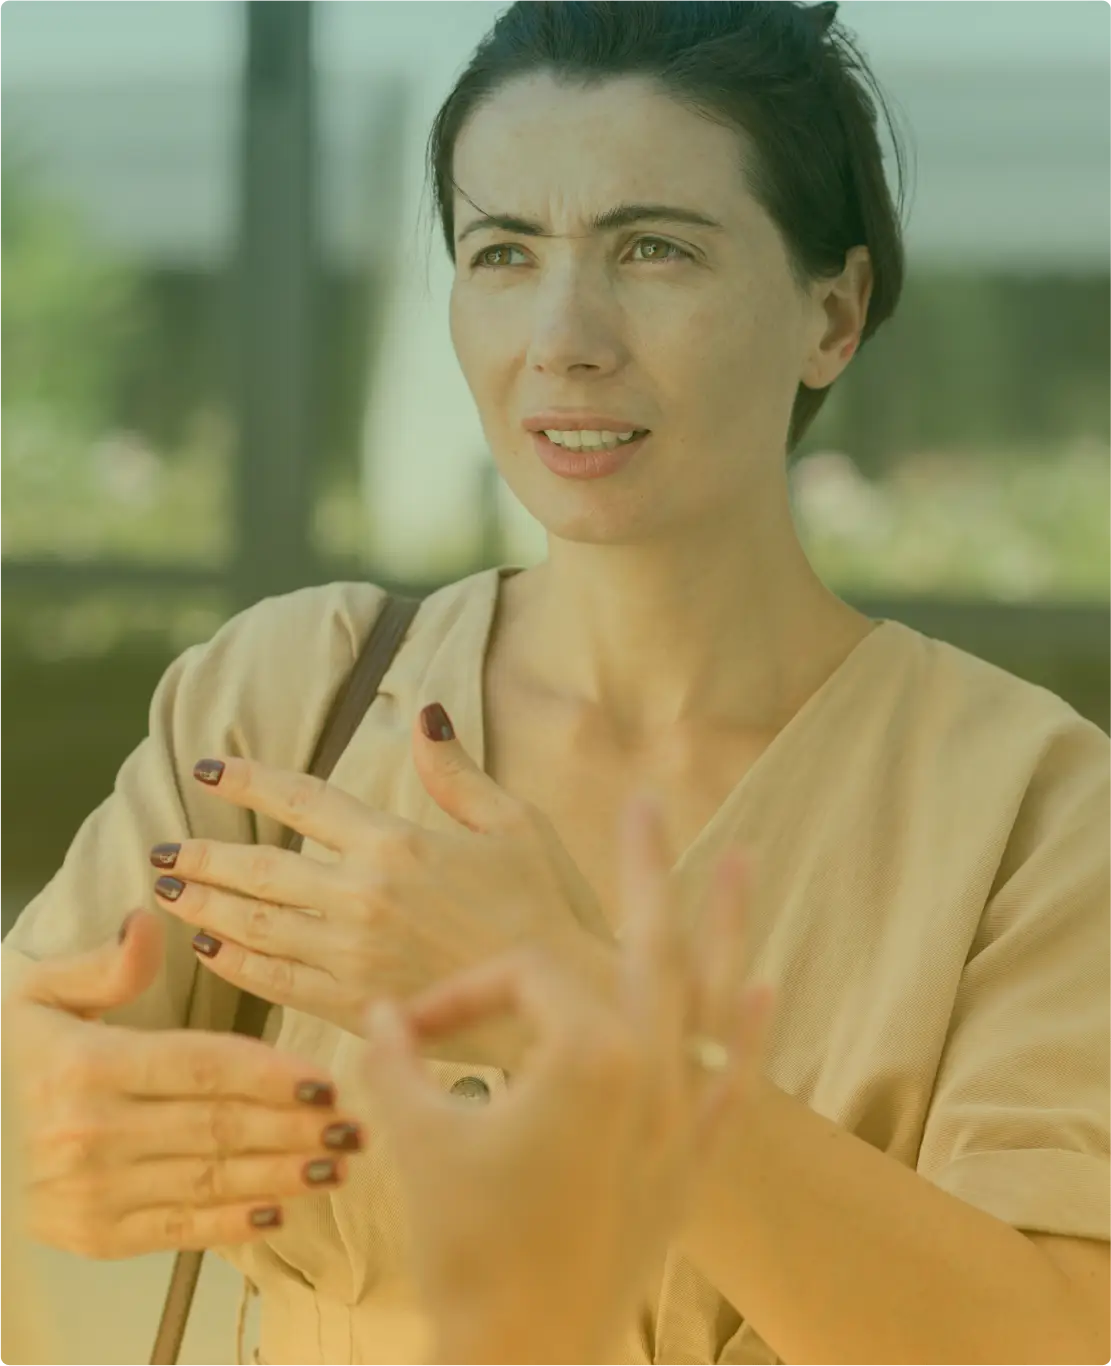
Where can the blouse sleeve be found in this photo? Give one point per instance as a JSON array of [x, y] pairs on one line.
[[258, 689], [1019, 1119]]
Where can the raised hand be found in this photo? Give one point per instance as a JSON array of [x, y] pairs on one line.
[[136, 1141], [397, 909], [566, 1189]]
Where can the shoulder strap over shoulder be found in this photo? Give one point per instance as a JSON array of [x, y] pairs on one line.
[[360, 688], [347, 710]]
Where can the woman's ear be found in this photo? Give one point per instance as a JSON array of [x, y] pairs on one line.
[[841, 310]]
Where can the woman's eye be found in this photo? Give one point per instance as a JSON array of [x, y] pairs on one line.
[[656, 249], [483, 264], [483, 260]]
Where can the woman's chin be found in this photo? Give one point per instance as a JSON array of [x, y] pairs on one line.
[[589, 511]]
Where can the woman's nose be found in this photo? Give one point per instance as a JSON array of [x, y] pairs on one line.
[[570, 331]]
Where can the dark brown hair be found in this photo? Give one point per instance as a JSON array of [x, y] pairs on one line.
[[784, 74]]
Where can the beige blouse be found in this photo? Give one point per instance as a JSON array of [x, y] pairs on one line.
[[932, 835]]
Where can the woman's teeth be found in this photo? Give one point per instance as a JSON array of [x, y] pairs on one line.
[[592, 441]]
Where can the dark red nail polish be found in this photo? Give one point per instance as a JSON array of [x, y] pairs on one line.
[[268, 1217], [170, 888], [344, 1138], [435, 723], [125, 925], [207, 944], [165, 855], [320, 1172], [209, 771], [315, 1093]]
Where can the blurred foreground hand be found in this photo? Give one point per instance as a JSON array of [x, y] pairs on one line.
[[537, 1220]]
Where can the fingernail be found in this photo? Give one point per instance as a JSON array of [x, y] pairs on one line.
[[268, 1217], [209, 771], [315, 1093], [435, 723], [165, 855], [169, 887], [321, 1172], [344, 1138], [124, 926], [207, 944]]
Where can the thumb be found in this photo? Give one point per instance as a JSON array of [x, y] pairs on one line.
[[88, 984], [452, 778], [401, 1090]]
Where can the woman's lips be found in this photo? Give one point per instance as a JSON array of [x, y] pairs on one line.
[[584, 464]]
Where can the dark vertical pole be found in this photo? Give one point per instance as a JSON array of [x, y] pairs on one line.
[[276, 278]]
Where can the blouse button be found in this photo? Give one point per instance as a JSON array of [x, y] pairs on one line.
[[471, 1088]]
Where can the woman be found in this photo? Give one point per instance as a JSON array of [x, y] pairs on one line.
[[671, 231], [619, 1098]]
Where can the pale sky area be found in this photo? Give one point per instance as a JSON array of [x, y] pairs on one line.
[[1004, 103]]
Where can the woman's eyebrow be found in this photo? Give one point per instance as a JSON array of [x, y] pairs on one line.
[[622, 216]]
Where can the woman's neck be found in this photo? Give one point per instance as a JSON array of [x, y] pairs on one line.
[[729, 628]]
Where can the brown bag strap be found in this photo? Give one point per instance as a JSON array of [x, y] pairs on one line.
[[348, 708]]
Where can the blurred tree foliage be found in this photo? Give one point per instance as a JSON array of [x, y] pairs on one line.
[[1005, 363], [72, 316]]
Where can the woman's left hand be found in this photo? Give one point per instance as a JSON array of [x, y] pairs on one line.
[[401, 908]]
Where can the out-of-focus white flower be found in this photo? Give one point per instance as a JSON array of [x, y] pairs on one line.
[[833, 498], [126, 469]]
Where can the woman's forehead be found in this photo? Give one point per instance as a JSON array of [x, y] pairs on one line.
[[616, 117], [541, 147]]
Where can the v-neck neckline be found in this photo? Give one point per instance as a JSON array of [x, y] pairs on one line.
[[781, 743]]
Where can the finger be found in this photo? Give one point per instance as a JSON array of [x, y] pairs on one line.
[[111, 975], [269, 950], [227, 1128], [754, 1025], [654, 951], [721, 951], [405, 1097], [452, 778], [520, 983], [753, 1018], [267, 927], [208, 1181], [282, 981], [260, 872], [191, 1063], [300, 801], [186, 1229]]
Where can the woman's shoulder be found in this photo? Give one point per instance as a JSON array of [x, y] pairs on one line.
[[279, 662], [272, 666], [983, 714], [330, 615], [337, 616]]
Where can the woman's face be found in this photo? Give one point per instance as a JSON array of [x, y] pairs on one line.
[[694, 331]]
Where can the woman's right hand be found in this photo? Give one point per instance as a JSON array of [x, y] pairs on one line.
[[537, 1220], [139, 1141]]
